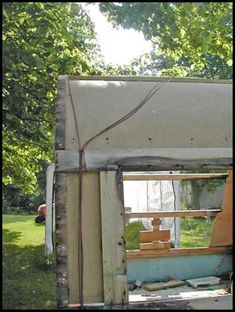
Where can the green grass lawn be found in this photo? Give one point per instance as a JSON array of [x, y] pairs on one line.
[[132, 235], [28, 281], [195, 232]]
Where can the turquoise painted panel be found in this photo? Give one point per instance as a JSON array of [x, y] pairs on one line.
[[181, 267]]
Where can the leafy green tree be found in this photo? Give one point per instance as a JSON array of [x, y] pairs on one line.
[[189, 38], [40, 41], [150, 64]]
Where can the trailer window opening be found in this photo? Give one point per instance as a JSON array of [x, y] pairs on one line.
[[185, 204]]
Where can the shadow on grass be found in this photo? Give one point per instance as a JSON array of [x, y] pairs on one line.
[[11, 237], [28, 281]]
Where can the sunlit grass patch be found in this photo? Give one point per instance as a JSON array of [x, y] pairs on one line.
[[132, 235], [22, 230], [195, 232], [28, 281]]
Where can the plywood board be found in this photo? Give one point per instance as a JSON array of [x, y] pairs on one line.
[[91, 227], [222, 231], [93, 265], [113, 241]]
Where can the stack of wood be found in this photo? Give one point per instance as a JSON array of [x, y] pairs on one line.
[[156, 239]]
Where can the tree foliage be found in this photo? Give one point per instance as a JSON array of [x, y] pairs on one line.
[[189, 38], [40, 41], [150, 64]]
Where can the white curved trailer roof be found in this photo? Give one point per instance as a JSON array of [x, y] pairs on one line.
[[186, 124]]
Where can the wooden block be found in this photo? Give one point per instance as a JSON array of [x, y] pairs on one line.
[[155, 246], [156, 221], [150, 236], [158, 286]]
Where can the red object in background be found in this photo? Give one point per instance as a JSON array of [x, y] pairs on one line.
[[42, 210]]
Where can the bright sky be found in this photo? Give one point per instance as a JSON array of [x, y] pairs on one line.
[[118, 46]]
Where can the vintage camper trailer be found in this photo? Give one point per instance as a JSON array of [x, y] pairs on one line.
[[106, 126]]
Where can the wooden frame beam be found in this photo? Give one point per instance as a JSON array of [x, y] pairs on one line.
[[185, 176], [113, 241], [137, 254], [222, 231], [169, 214]]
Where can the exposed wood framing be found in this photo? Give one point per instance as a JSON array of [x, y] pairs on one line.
[[61, 241], [163, 163], [62, 291], [113, 241], [184, 176], [60, 113], [222, 231], [168, 214], [137, 254], [68, 160], [73, 239]]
